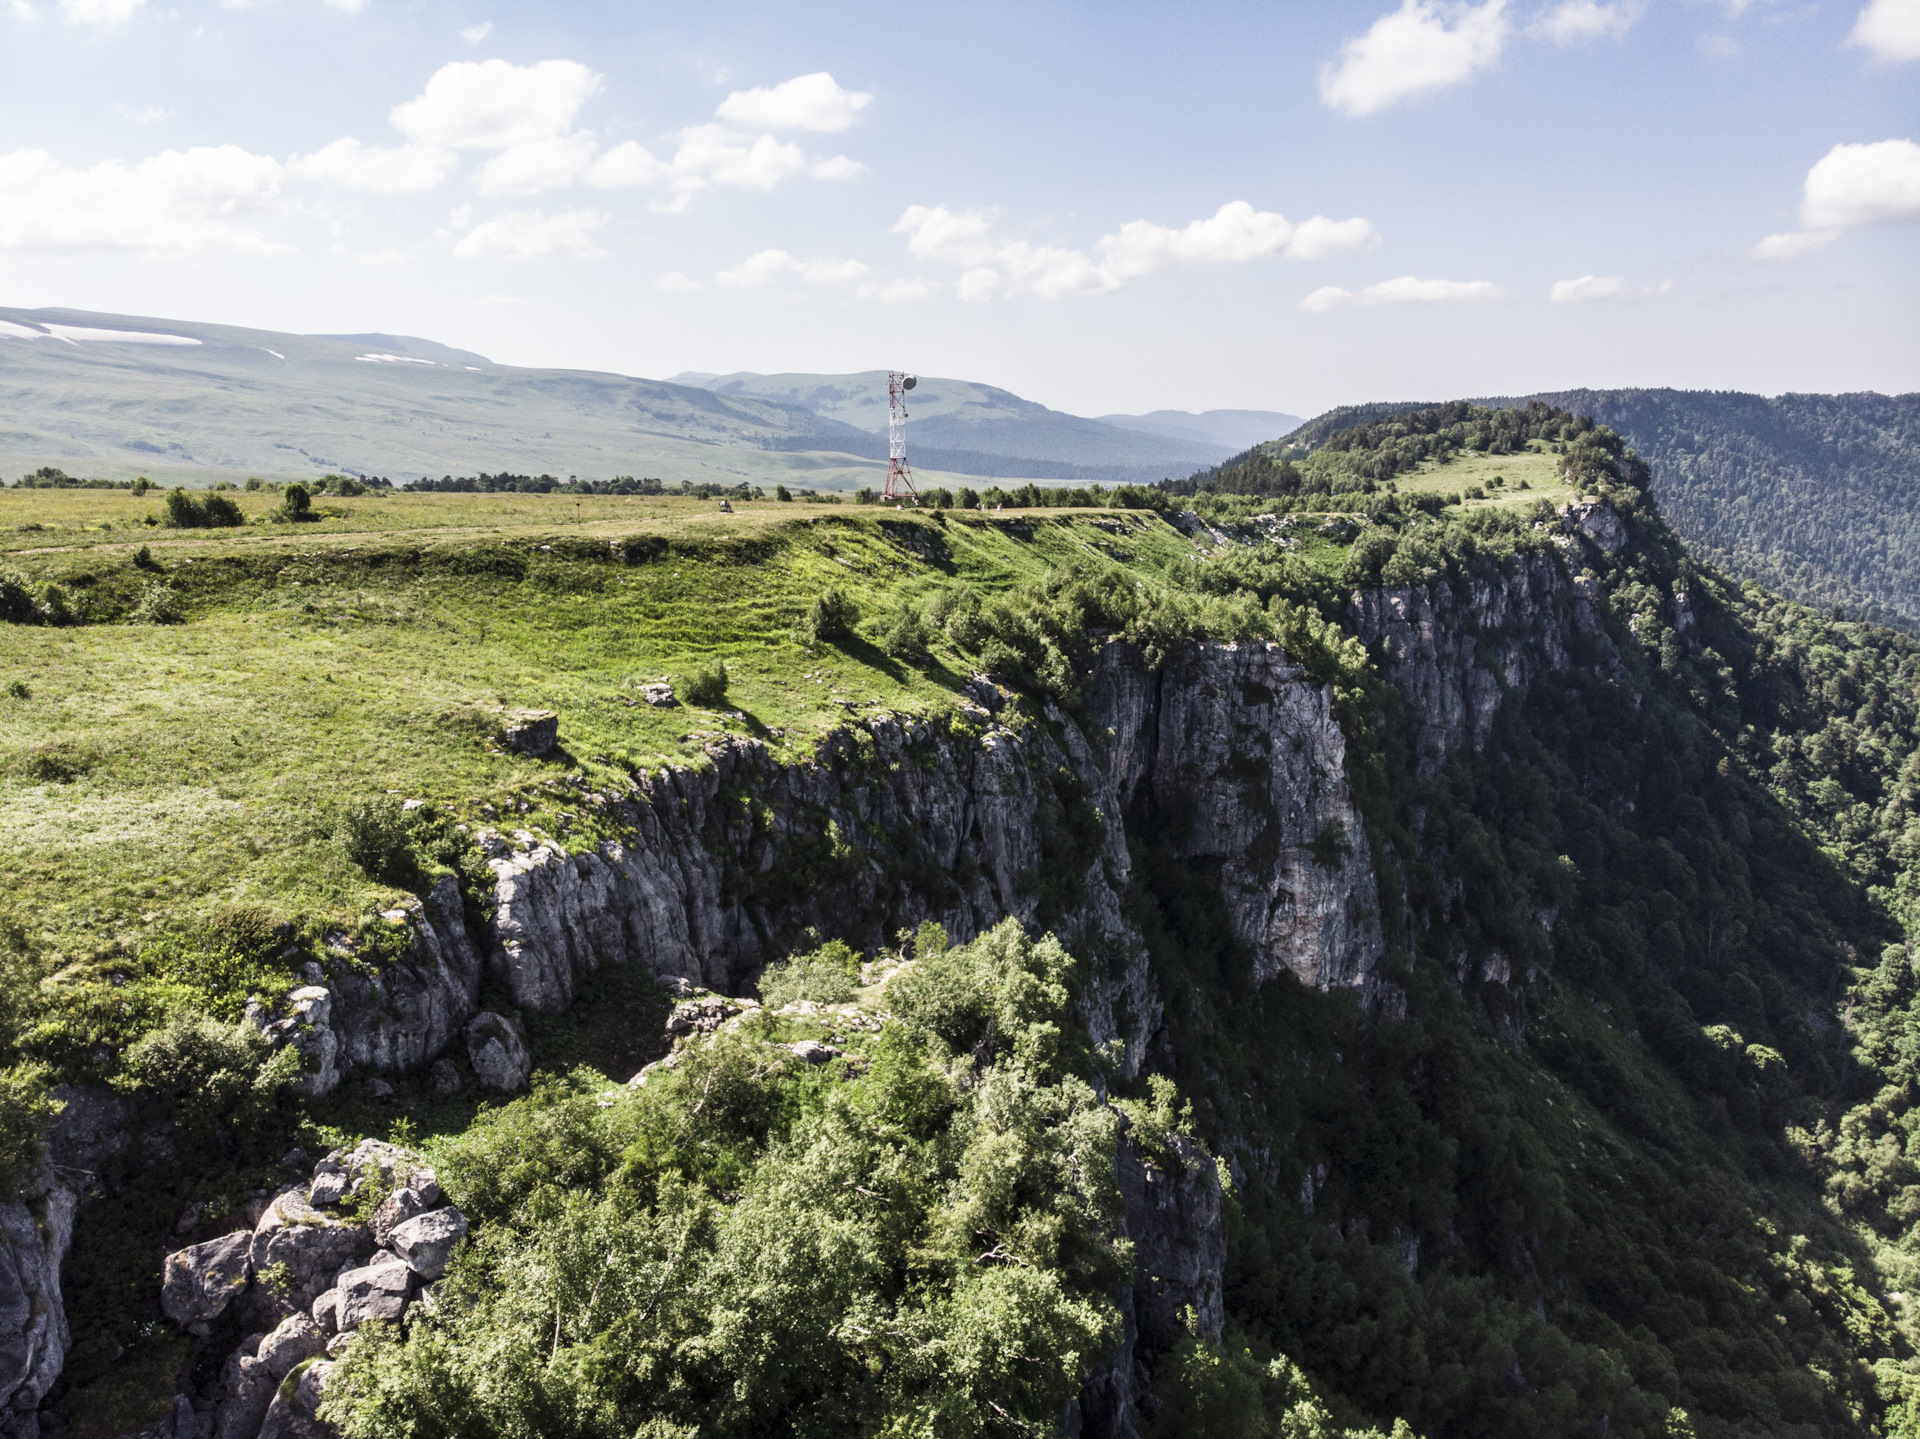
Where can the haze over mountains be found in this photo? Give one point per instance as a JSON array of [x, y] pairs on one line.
[[112, 396]]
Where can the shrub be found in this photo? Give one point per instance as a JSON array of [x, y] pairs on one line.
[[254, 483], [832, 618], [142, 485], [781, 492], [143, 559], [296, 505], [706, 686], [158, 605], [907, 637], [17, 689], [54, 766], [55, 607], [827, 975], [208, 1073], [16, 600], [215, 511], [27, 1106], [373, 834], [221, 512]]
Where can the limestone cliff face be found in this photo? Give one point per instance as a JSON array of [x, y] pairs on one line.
[[1454, 653], [1228, 751]]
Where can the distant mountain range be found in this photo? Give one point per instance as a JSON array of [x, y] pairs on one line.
[[111, 396]]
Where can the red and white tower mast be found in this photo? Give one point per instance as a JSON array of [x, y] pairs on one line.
[[899, 477]]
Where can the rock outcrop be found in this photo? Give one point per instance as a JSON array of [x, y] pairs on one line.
[[33, 1318]]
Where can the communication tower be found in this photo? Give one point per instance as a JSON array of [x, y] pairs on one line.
[[899, 477]]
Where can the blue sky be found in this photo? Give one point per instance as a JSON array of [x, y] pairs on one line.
[[1112, 207]]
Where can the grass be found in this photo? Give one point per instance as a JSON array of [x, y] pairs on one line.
[[156, 771], [1539, 467]]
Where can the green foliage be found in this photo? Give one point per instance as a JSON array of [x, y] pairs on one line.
[[158, 605], [706, 686], [827, 975], [373, 834], [296, 505], [27, 1107], [907, 636], [16, 599], [209, 1075], [208, 512], [748, 1246], [832, 617]]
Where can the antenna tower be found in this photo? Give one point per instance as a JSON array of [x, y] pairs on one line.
[[899, 477]]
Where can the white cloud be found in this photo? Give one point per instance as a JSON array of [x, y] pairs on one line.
[[993, 266], [103, 13], [474, 34], [1890, 29], [177, 202], [1572, 21], [1402, 291], [22, 11], [519, 235], [535, 165], [675, 283], [392, 171], [806, 102], [492, 105], [1792, 244], [769, 265], [896, 292], [1419, 48], [1588, 287], [837, 167], [147, 115], [352, 7], [711, 154], [627, 164], [1876, 184], [1863, 185]]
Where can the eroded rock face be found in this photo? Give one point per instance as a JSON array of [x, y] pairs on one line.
[[405, 1016], [252, 1380], [427, 1241], [33, 1316]]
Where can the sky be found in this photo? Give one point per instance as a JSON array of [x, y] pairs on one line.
[[1108, 208]]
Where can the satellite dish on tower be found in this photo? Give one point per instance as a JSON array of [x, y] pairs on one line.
[[908, 383], [899, 477]]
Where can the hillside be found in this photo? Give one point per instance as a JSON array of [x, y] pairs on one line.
[[963, 417], [216, 402], [1817, 496], [1371, 949], [1235, 429]]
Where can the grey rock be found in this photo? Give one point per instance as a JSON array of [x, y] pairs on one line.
[[375, 1087], [813, 1051], [497, 1050], [252, 1380], [329, 1184], [401, 1018], [427, 1241], [379, 1290], [33, 1318], [396, 1208], [1599, 522], [445, 1078], [309, 1242], [658, 694], [531, 732], [326, 1312], [295, 1411], [200, 1281]]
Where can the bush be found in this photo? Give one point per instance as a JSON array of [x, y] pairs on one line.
[[908, 637], [158, 606], [296, 505], [254, 484], [16, 600], [27, 1106], [373, 834], [208, 1073], [832, 618], [17, 689], [781, 492], [184, 512], [142, 485], [143, 559], [828, 975], [706, 686]]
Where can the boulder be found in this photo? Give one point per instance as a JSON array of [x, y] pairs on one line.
[[813, 1051], [444, 1077], [326, 1312], [427, 1241], [658, 694], [497, 1050], [531, 732], [378, 1291], [253, 1380], [395, 1209], [312, 1245], [329, 1184], [295, 1411], [200, 1281]]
